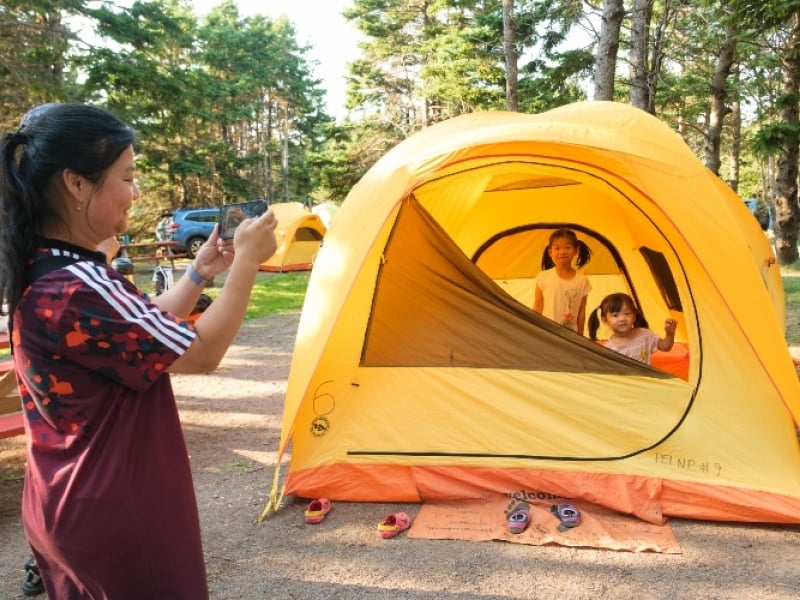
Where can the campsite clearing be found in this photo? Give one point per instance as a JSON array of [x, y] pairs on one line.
[[232, 424]]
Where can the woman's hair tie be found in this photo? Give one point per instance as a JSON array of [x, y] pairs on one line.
[[21, 138], [22, 145]]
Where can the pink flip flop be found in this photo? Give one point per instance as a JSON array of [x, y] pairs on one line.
[[394, 524], [317, 510]]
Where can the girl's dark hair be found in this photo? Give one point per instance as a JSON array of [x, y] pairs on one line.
[[584, 252], [611, 304], [50, 139]]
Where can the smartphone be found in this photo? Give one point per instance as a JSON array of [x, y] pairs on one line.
[[230, 215]]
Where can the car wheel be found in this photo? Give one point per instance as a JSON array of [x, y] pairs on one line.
[[193, 246]]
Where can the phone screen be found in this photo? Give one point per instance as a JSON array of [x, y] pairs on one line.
[[230, 215]]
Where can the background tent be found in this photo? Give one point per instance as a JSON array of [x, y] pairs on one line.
[[299, 235], [326, 212], [420, 371]]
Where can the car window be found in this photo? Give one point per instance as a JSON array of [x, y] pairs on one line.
[[203, 217]]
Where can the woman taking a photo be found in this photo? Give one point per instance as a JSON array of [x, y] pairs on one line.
[[108, 503]]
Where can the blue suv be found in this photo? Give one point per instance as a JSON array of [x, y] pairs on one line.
[[188, 227]]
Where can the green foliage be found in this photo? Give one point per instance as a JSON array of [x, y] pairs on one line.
[[452, 60], [771, 138], [551, 72], [340, 162], [555, 84], [34, 45], [227, 107]]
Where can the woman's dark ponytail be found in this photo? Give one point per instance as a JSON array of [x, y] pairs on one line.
[[18, 228]]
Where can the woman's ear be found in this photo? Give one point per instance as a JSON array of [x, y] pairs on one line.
[[76, 185]]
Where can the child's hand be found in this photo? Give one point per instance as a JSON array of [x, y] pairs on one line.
[[568, 317], [669, 326]]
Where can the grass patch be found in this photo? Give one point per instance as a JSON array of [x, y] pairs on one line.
[[791, 289], [273, 293], [236, 467]]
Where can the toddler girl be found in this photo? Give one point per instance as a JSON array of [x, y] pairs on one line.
[[631, 336], [561, 289]]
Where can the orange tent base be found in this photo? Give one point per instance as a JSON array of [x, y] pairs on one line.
[[650, 499]]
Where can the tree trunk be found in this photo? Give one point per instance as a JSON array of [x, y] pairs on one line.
[[510, 48], [787, 220], [640, 28], [657, 59], [768, 183], [736, 143], [607, 49], [285, 156], [268, 131], [719, 96]]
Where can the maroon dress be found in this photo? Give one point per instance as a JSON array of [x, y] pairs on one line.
[[108, 503]]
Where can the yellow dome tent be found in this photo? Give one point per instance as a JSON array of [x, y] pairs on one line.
[[299, 235], [420, 371], [326, 211]]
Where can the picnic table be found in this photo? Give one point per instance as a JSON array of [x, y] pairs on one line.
[[151, 251], [10, 409]]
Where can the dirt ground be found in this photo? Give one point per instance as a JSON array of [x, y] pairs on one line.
[[232, 423]]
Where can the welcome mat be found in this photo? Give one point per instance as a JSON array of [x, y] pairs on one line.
[[483, 520]]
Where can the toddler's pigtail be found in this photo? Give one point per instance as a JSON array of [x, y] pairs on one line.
[[584, 253], [547, 261], [594, 324]]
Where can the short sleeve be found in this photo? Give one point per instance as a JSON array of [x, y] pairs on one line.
[[94, 319]]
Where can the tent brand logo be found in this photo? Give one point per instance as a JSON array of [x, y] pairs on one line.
[[523, 495], [320, 426], [323, 404]]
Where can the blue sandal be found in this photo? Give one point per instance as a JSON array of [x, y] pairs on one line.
[[568, 515], [518, 516]]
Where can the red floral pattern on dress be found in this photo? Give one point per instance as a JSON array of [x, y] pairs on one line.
[[74, 341]]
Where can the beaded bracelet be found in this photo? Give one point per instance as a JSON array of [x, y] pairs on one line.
[[196, 278]]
